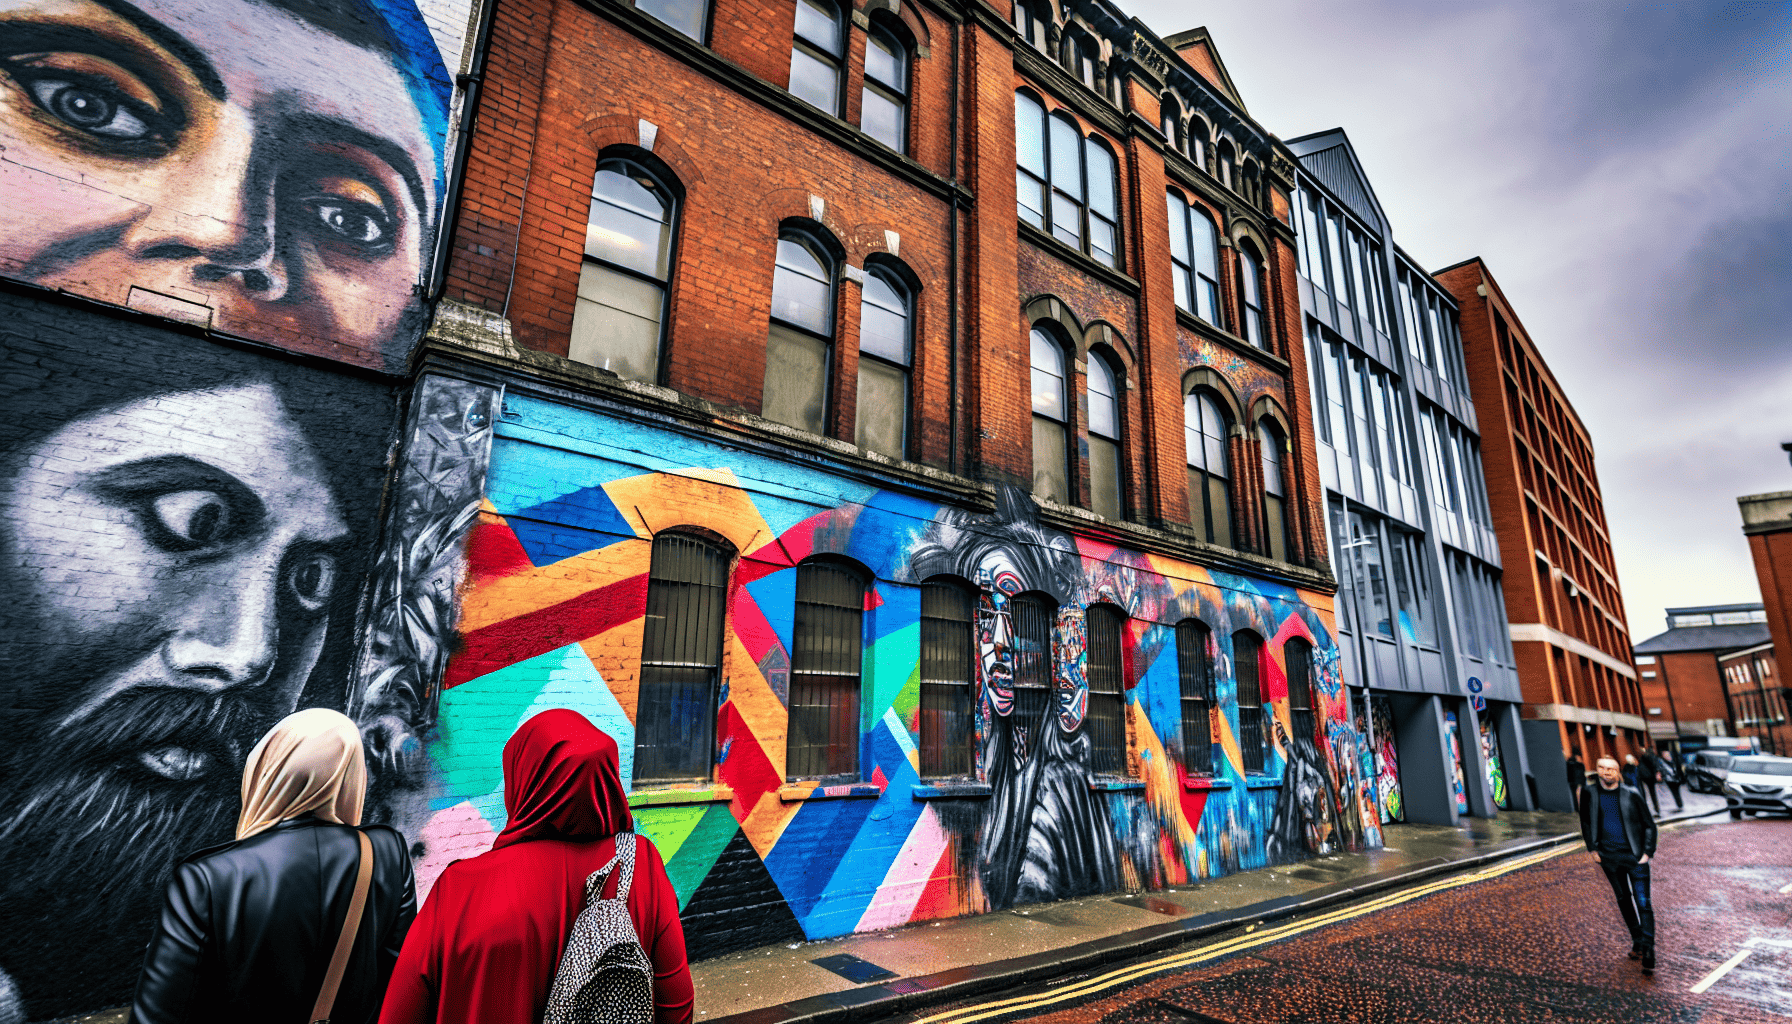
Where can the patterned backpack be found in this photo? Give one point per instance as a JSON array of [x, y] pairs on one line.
[[604, 975]]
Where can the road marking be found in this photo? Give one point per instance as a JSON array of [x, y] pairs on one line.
[[1711, 979], [1175, 961], [1786, 888]]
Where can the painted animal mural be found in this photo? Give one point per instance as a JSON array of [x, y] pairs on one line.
[[551, 615]]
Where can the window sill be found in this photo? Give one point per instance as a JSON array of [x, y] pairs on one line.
[[952, 791], [1115, 785], [1263, 782], [799, 791], [662, 797], [1202, 782], [1083, 261], [1193, 323]]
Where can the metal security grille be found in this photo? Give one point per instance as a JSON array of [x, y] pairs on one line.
[[946, 659], [1196, 672], [824, 672], [1032, 668], [1107, 705], [681, 657], [1299, 655], [1247, 651]]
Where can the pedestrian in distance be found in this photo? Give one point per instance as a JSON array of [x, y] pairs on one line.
[[488, 943], [1630, 770], [1647, 775], [1620, 834], [301, 917], [1577, 776], [1672, 777]]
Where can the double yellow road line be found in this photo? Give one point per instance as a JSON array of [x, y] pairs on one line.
[[1042, 1002]]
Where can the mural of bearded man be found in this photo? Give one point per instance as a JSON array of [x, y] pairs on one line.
[[180, 545], [1043, 836]]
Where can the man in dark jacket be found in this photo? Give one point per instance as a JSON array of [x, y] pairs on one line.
[[1620, 833], [1647, 775], [1577, 776]]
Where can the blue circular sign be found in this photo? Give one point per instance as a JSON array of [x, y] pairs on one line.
[[1474, 684]]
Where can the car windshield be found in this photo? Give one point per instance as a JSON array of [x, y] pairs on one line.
[[1718, 760], [1761, 766]]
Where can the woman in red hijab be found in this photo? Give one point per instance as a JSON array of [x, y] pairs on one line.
[[485, 946]]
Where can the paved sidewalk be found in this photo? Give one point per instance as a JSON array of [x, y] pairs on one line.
[[938, 961]]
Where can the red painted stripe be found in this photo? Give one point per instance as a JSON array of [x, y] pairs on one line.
[[535, 633]]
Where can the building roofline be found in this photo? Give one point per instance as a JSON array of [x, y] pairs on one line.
[[1518, 325]]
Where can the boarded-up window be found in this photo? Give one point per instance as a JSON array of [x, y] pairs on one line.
[[681, 658], [827, 648], [947, 613], [1299, 656], [1033, 615], [1247, 655], [1107, 689], [1194, 666]]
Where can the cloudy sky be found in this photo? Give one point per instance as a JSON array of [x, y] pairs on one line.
[[1624, 170]]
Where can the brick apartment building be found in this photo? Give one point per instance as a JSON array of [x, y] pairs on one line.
[[1563, 600], [1421, 621], [904, 452], [1712, 674]]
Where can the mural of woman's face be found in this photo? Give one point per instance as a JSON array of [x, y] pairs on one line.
[[222, 152]]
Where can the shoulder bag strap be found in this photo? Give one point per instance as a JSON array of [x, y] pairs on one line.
[[626, 844], [345, 943]]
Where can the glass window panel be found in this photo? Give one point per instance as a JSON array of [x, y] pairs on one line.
[[1104, 410], [1179, 240], [1048, 376], [802, 291], [1067, 165], [1219, 510], [1334, 251], [616, 323], [886, 60], [814, 81], [1179, 281], [628, 224], [1030, 198], [1101, 180], [819, 22], [1207, 294], [687, 16], [1067, 216], [1205, 244], [882, 408], [883, 119], [1029, 134], [1051, 475], [1272, 459], [1275, 520], [796, 375], [1104, 477], [883, 320], [1102, 243]]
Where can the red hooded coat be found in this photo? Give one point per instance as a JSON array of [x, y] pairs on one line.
[[486, 944]]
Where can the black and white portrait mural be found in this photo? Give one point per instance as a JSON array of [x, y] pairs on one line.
[[184, 532], [269, 168]]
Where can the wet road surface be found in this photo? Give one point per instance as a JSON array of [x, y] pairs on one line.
[[1535, 943]]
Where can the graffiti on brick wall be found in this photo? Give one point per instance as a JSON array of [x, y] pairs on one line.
[[552, 616], [182, 531], [271, 169]]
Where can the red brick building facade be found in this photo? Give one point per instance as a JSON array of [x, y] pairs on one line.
[[1561, 583]]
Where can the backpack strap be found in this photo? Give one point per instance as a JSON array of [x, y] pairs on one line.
[[626, 844], [594, 885]]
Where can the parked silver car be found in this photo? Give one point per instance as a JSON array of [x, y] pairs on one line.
[[1759, 782]]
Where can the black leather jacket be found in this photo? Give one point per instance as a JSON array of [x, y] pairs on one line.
[[1633, 811], [248, 927]]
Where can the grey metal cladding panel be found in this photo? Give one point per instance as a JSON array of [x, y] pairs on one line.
[[1333, 168], [1432, 676]]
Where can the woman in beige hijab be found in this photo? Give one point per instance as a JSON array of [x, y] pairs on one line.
[[248, 928]]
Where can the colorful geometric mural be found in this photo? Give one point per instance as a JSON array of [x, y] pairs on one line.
[[552, 616], [1387, 760]]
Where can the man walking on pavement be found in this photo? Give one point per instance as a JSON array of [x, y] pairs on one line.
[[1647, 775], [1671, 777], [1620, 833], [1577, 776]]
